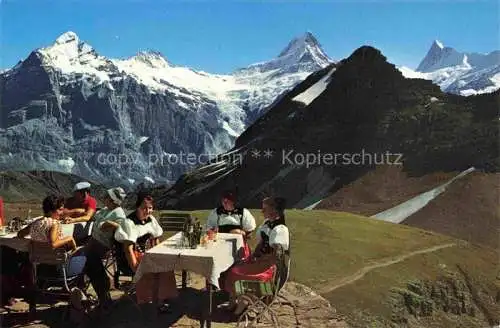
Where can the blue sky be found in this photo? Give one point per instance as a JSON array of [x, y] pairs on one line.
[[220, 36]]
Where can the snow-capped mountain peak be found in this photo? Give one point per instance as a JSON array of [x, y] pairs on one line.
[[69, 46], [300, 44], [465, 73], [440, 56], [67, 37], [303, 53], [152, 58], [70, 55], [305, 48], [438, 44]]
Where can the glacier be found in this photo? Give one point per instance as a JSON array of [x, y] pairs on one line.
[[68, 108]]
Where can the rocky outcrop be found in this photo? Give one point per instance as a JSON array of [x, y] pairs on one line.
[[33, 186], [112, 132], [452, 294], [303, 307]]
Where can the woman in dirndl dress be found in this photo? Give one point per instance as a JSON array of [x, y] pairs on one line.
[[273, 237]]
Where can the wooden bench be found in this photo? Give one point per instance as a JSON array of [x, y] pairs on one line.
[[174, 222]]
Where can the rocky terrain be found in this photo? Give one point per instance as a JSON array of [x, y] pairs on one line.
[[452, 293], [302, 306], [67, 108], [143, 119], [33, 186], [338, 125]]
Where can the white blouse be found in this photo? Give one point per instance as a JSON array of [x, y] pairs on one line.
[[129, 231], [279, 235], [247, 220]]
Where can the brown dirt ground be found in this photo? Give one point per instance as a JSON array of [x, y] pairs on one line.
[[308, 310], [381, 189]]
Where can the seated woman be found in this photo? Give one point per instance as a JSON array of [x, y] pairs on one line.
[[137, 233], [273, 237], [228, 218], [47, 229]]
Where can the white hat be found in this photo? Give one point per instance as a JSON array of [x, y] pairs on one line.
[[81, 185], [117, 195]]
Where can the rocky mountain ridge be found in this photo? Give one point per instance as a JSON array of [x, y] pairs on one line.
[[339, 124], [67, 108]]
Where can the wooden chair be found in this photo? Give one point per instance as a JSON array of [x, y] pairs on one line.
[[122, 269], [174, 222], [261, 296]]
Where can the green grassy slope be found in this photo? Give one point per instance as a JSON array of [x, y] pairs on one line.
[[332, 248]]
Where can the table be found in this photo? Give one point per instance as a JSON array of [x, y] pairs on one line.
[[208, 261], [77, 230]]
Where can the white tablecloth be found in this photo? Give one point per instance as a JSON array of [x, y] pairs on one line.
[[209, 261], [77, 230]]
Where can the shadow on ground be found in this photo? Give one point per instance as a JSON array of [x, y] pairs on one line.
[[187, 312]]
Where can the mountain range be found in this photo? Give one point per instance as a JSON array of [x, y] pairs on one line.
[[67, 108], [463, 73], [143, 119], [341, 123]]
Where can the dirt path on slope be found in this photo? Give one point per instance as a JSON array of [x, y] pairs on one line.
[[379, 264]]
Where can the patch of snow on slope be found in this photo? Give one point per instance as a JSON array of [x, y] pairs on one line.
[[230, 130], [315, 90], [399, 213], [411, 74], [66, 164]]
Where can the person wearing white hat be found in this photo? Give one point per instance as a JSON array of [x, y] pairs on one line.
[[106, 220], [82, 206]]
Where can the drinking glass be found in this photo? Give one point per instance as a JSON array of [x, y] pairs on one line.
[[210, 234], [216, 231]]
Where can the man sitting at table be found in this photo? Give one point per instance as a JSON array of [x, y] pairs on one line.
[[106, 221], [82, 206], [228, 218]]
